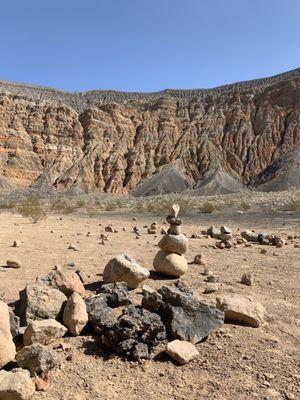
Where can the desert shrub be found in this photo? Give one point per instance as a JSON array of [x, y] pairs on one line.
[[208, 207], [32, 209], [273, 211], [291, 205], [245, 206], [7, 205], [62, 206], [80, 204], [229, 203]]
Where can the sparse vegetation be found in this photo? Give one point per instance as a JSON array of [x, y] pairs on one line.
[[32, 209], [245, 206], [208, 207]]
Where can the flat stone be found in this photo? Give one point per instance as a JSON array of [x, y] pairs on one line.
[[181, 351], [44, 332], [123, 268], [243, 310], [16, 385]]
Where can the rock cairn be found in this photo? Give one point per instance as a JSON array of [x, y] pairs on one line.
[[170, 259]]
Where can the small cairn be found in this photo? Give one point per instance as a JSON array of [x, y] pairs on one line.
[[170, 259]]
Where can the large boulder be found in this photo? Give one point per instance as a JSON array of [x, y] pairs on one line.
[[134, 333], [75, 315], [174, 243], [187, 318], [44, 332], [7, 346], [243, 310], [40, 301], [170, 264], [125, 269], [16, 385], [37, 359], [68, 282]]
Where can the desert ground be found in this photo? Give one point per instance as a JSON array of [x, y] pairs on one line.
[[236, 362]]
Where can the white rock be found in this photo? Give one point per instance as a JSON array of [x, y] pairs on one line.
[[7, 346], [181, 351], [44, 332], [174, 244], [16, 385], [170, 264], [123, 268]]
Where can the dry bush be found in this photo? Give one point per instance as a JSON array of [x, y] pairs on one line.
[[291, 205], [208, 207], [62, 206], [32, 209], [245, 206], [7, 205]]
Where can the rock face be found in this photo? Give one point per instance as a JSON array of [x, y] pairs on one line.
[[16, 385], [125, 269], [114, 141], [7, 346]]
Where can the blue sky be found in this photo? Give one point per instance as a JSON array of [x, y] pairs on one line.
[[146, 45]]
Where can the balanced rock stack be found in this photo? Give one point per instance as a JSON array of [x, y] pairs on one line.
[[170, 259]]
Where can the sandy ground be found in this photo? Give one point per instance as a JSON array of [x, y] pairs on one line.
[[237, 362]]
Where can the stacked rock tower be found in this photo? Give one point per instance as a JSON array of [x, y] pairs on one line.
[[170, 259]]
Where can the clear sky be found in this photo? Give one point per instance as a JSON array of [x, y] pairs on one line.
[[146, 45]]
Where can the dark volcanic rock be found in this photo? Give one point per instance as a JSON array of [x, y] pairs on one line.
[[116, 294], [101, 316], [37, 359], [152, 301], [187, 318], [135, 332]]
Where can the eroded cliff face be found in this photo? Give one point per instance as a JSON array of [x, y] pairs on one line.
[[114, 146]]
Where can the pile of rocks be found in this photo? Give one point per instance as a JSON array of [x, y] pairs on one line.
[[223, 235], [170, 259], [264, 238]]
